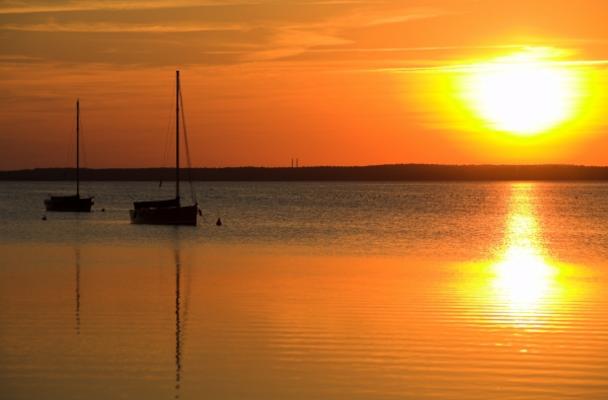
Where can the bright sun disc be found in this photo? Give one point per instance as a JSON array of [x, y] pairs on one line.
[[522, 94]]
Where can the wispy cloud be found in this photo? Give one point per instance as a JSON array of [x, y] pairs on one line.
[[53, 26], [23, 7], [275, 37], [293, 39], [18, 59], [290, 42], [468, 67], [417, 49], [369, 17]]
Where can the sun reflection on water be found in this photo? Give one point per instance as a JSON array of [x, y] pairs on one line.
[[524, 278]]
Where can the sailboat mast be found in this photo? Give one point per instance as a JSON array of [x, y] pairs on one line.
[[78, 147], [177, 134]]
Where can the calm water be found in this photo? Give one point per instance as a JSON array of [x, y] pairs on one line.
[[309, 291]]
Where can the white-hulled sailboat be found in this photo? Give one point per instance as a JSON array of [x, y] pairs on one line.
[[167, 212]]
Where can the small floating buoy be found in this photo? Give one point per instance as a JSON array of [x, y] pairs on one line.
[[44, 217], [103, 210], [218, 222]]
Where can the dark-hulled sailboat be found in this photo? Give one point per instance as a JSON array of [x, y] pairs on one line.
[[72, 203], [167, 212]]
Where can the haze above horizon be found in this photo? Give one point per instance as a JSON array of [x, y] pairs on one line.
[[356, 82]]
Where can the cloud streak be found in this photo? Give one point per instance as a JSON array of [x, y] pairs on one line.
[[475, 67], [79, 27], [13, 7], [275, 31]]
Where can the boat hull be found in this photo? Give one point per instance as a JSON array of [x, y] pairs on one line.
[[165, 215], [68, 203]]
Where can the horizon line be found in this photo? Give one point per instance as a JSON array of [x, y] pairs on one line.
[[319, 166]]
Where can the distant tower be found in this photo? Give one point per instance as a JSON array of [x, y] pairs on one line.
[[297, 162]]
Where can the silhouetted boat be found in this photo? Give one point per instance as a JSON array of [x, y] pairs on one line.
[[167, 212], [72, 203]]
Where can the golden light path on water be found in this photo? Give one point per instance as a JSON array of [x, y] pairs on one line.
[[523, 278], [525, 288]]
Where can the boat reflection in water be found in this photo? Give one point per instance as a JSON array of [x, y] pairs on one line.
[[77, 291], [182, 304], [178, 327]]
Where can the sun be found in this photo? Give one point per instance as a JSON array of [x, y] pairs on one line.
[[524, 94]]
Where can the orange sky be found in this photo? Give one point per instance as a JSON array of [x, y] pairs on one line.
[[329, 81]]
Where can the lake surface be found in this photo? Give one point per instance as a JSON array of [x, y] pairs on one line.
[[308, 291]]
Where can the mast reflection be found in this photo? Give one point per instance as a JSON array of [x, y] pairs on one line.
[[77, 293], [178, 329], [182, 303]]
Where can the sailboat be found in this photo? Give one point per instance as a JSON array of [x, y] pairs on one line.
[[72, 203], [167, 212]]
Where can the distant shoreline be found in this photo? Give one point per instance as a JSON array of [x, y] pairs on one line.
[[395, 172]]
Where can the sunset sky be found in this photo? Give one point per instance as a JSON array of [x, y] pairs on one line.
[[332, 82]]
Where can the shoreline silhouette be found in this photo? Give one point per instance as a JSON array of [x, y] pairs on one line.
[[388, 172]]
